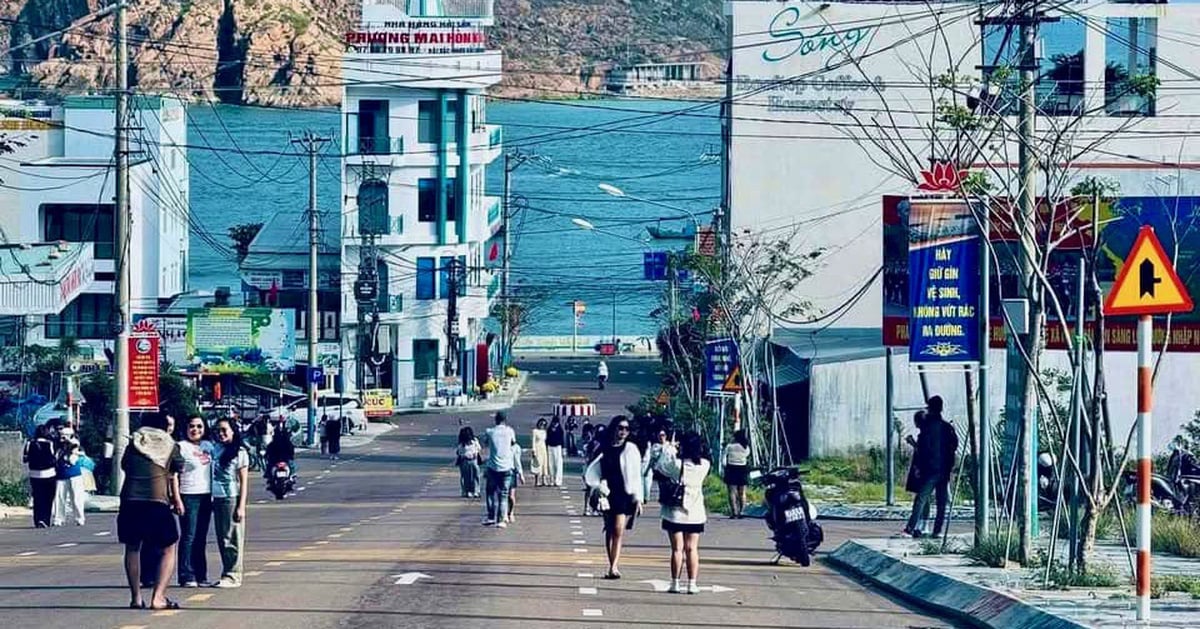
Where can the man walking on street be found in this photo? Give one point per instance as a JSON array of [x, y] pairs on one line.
[[936, 450], [145, 522], [499, 440]]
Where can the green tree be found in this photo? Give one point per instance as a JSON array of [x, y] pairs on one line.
[[242, 235]]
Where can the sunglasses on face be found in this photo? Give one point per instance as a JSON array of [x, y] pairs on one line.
[[623, 427], [196, 427]]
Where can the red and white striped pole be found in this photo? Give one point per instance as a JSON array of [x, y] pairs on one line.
[[1145, 396]]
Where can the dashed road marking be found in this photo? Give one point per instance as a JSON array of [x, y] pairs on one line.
[[197, 598], [254, 573], [273, 564], [622, 372], [334, 535], [102, 534], [346, 529], [553, 373], [580, 550], [586, 575], [67, 544], [132, 627], [593, 612], [576, 532], [28, 553], [322, 542], [578, 541], [301, 488], [587, 590], [576, 521], [308, 548], [583, 562], [294, 555], [162, 613]]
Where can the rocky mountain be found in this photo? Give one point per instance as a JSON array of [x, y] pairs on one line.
[[285, 52]]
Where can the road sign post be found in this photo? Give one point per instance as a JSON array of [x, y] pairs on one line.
[[1147, 285]]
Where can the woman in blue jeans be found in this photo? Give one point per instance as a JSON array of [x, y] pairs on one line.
[[195, 487]]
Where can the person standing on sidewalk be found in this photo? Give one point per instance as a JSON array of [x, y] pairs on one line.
[[737, 472], [467, 457], [538, 456], [555, 441], [683, 516], [152, 464], [40, 457], [229, 491], [321, 431], [937, 448], [150, 557], [69, 496], [195, 486], [333, 437], [499, 440], [617, 474]]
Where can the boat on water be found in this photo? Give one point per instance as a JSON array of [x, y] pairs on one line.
[[686, 232]]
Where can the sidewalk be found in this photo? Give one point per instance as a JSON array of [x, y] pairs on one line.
[[997, 597], [504, 399]]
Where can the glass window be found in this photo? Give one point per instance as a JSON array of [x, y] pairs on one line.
[[87, 317], [81, 222], [427, 121], [373, 127], [425, 357], [426, 278], [446, 264], [427, 200], [1060, 81], [1130, 60], [373, 207]]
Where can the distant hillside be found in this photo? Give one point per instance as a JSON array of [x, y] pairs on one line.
[[283, 52]]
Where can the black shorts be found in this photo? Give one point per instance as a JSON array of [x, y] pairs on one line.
[[737, 475], [146, 523], [674, 527]]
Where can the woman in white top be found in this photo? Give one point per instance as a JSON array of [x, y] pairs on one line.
[[684, 520], [468, 454], [736, 461], [195, 488], [539, 455]]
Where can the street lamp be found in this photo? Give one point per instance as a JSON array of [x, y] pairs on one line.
[[583, 224], [614, 191], [586, 225]]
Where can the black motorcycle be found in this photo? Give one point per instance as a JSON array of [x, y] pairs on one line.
[[280, 480], [790, 517], [1177, 491]]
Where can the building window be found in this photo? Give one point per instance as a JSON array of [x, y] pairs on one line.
[[426, 278], [81, 222], [373, 137], [89, 316], [444, 276], [425, 358], [1060, 81], [373, 207], [427, 200], [429, 123], [1130, 64]]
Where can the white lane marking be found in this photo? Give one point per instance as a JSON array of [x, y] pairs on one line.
[[197, 598], [622, 372], [301, 488], [334, 535], [260, 502], [102, 534], [132, 627], [162, 613], [346, 529], [584, 562], [578, 541], [576, 532], [586, 575], [67, 544], [576, 521], [272, 564], [587, 590], [253, 573], [593, 612], [322, 542], [580, 550], [553, 373], [28, 553]]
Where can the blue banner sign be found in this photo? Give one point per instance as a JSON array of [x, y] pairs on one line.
[[943, 271], [722, 368]]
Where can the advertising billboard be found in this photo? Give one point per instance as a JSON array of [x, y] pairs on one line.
[[943, 271], [1176, 220], [241, 340], [143, 371]]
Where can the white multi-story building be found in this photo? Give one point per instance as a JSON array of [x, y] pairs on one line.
[[831, 99], [416, 146], [60, 185]]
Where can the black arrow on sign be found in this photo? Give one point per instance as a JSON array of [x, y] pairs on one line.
[[1146, 279]]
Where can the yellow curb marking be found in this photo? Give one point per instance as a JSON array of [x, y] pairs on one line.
[[197, 598]]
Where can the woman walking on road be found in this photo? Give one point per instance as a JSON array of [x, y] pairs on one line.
[[555, 440], [468, 454], [333, 437], [737, 472], [40, 457], [195, 487], [229, 493], [539, 457], [617, 474], [683, 513]]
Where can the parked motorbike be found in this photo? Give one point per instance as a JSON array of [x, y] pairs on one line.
[[1177, 491], [280, 480], [790, 517], [1047, 471]]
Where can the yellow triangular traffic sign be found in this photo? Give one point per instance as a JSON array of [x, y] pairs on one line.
[[1147, 283], [733, 382]]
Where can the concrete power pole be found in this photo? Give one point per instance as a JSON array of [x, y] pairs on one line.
[[121, 159], [312, 144]]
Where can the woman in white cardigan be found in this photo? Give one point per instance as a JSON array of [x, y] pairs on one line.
[[684, 521], [617, 475]]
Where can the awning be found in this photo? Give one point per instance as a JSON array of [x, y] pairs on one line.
[[42, 278]]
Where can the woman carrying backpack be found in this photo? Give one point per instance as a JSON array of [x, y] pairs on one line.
[[40, 456], [681, 494]]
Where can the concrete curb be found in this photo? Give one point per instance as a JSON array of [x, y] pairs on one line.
[[975, 605], [878, 513]]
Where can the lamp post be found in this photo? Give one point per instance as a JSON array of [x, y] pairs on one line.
[[614, 191]]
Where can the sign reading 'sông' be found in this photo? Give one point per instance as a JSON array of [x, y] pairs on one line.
[[1147, 283]]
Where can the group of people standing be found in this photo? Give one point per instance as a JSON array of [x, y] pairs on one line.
[[173, 491], [57, 470], [934, 452]]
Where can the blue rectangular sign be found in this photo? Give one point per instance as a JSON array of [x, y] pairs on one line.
[[721, 368], [943, 271]]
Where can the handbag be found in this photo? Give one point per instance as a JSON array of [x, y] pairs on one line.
[[670, 491]]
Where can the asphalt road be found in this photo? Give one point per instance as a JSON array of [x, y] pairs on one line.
[[383, 540]]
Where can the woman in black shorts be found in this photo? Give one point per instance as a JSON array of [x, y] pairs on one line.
[[617, 474], [737, 472], [683, 513]]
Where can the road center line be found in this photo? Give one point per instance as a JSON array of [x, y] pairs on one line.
[[583, 562], [593, 612], [272, 564], [580, 550], [587, 590], [102, 534], [585, 575], [28, 553], [67, 544]]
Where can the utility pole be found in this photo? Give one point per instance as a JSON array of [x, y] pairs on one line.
[[121, 158], [725, 221], [452, 274], [312, 143], [1027, 20], [505, 300]]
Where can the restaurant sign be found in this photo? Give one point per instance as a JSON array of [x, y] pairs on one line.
[[419, 37]]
